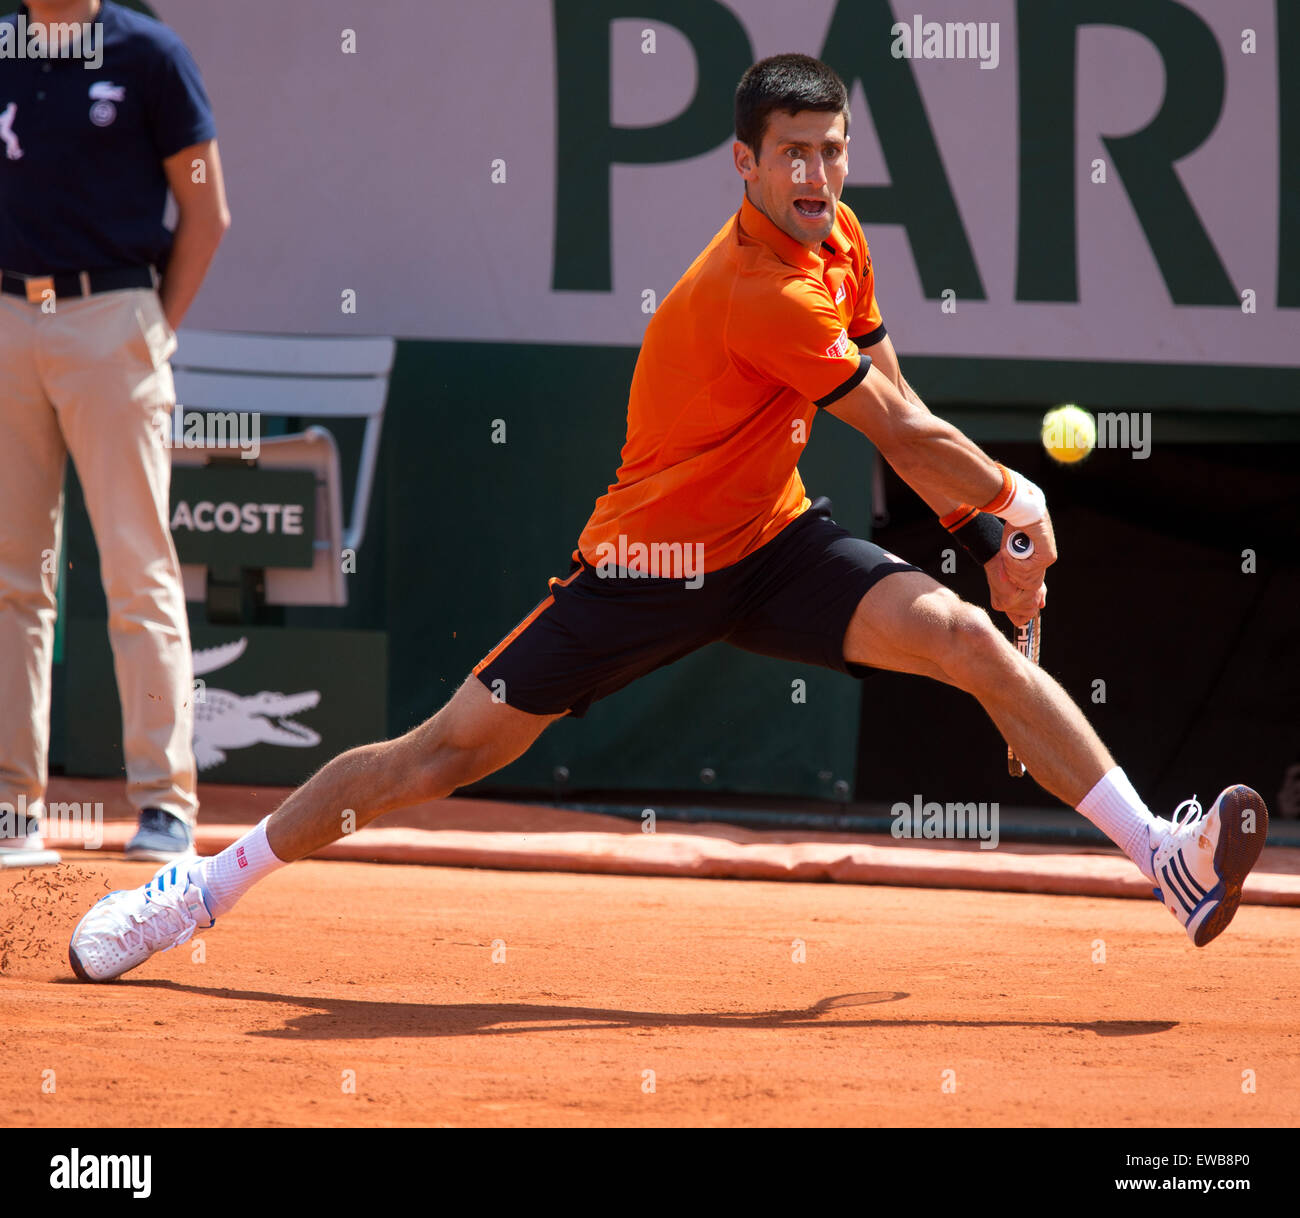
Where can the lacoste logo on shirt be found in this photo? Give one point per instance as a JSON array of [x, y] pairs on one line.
[[840, 346], [13, 149], [103, 93]]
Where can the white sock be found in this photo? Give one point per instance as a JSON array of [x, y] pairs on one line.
[[1118, 811], [225, 877]]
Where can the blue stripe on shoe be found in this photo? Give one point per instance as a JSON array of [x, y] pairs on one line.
[[1185, 874], [1193, 891], [1173, 881], [162, 881]]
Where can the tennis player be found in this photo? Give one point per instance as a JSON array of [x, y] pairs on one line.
[[707, 535]]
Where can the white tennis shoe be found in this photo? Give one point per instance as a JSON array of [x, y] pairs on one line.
[[1203, 858], [126, 927]]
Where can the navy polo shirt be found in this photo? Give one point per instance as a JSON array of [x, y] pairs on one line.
[[82, 186]]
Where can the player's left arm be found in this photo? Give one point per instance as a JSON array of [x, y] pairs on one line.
[[940, 462], [981, 535], [868, 333], [203, 216]]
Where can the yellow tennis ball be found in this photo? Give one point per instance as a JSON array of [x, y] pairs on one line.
[[1069, 434]]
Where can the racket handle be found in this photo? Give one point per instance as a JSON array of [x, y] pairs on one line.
[[1019, 545]]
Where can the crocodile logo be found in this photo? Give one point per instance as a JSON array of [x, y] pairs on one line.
[[225, 720]]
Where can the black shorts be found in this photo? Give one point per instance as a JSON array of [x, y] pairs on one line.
[[792, 598]]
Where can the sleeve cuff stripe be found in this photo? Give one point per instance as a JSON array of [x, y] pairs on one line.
[[855, 379], [869, 340], [959, 518]]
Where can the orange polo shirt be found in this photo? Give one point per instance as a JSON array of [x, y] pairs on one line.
[[756, 335]]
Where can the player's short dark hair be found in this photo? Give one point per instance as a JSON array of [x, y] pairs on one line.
[[785, 82]]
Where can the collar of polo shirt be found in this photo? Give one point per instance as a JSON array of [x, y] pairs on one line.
[[785, 247]]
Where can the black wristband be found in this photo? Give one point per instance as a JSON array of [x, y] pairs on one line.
[[981, 536]]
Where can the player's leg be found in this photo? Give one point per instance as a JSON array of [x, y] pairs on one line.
[[468, 739], [473, 736], [573, 648], [1198, 861], [585, 640], [820, 595], [823, 595], [911, 623]]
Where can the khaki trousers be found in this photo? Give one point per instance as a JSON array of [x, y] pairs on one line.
[[91, 379]]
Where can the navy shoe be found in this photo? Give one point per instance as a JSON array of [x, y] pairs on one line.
[[162, 837]]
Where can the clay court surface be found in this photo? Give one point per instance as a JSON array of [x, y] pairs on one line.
[[389, 972]]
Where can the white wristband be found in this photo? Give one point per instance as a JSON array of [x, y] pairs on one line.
[[1028, 504]]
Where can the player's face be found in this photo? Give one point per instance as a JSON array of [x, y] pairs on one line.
[[799, 175]]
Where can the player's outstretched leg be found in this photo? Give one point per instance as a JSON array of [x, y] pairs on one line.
[[1197, 861], [470, 738]]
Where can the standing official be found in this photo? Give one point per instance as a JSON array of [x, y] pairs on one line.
[[97, 125]]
